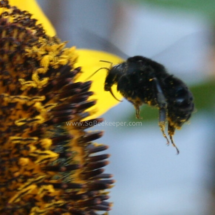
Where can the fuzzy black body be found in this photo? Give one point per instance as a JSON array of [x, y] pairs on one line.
[[143, 81]]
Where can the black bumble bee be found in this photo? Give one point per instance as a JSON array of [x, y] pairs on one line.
[[143, 81]]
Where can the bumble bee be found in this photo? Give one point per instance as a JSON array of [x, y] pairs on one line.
[[143, 81]]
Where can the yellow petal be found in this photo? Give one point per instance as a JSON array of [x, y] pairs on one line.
[[89, 61], [32, 7]]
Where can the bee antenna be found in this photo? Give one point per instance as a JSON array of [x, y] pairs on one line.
[[97, 71], [105, 61], [114, 95]]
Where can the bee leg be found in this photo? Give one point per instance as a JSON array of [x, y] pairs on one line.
[[162, 104], [162, 122], [171, 131], [114, 95], [137, 108]]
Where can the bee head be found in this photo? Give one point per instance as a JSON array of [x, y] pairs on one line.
[[109, 81], [114, 75]]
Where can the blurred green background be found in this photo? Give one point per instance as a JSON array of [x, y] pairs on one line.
[[203, 7]]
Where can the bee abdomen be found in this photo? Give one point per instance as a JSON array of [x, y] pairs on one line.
[[180, 101]]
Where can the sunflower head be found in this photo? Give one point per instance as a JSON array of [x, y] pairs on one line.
[[49, 163]]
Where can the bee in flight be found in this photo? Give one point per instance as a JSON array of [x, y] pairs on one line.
[[143, 81]]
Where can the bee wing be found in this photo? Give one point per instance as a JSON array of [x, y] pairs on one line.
[[105, 43]]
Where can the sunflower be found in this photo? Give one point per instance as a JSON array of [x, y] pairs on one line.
[[49, 163]]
